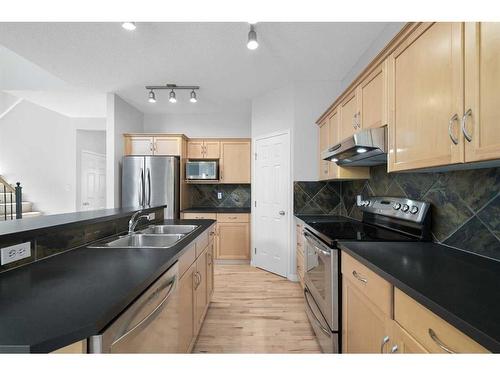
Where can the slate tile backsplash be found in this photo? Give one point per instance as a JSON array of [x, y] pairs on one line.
[[233, 195], [465, 204]]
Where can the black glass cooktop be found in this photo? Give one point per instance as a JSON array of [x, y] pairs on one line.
[[340, 228]]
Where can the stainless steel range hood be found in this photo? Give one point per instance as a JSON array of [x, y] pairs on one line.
[[364, 149]]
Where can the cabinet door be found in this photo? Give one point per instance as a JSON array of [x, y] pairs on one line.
[[233, 241], [372, 99], [210, 271], [348, 116], [404, 343], [200, 289], [324, 169], [364, 327], [212, 149], [235, 162], [186, 309], [196, 150], [139, 146], [167, 146], [482, 90], [425, 98]]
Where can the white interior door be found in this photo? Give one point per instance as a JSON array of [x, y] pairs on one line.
[[93, 179], [271, 211]]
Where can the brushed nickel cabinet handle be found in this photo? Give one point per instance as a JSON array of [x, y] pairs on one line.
[[359, 277], [385, 340], [354, 120], [450, 125], [358, 117], [464, 122], [439, 343], [394, 349]]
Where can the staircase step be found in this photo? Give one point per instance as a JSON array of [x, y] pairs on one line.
[[25, 215], [7, 207]]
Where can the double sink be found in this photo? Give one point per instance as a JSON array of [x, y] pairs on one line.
[[153, 237]]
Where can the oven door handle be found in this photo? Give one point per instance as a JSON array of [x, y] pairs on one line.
[[313, 244], [325, 331]]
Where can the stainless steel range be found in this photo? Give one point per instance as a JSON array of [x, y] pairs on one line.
[[384, 219]]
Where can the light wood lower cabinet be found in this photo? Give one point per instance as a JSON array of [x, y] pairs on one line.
[[79, 347], [195, 291], [376, 319]]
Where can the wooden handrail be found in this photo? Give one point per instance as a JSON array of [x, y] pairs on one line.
[[8, 188]]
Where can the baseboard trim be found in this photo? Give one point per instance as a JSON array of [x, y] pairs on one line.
[[231, 261], [293, 277]]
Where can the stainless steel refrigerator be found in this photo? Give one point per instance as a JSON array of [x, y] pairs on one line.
[[151, 181]]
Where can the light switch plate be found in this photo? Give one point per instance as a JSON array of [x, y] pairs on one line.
[[15, 252], [219, 195]]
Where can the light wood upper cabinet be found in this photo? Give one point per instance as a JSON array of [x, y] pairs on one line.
[[203, 149], [235, 162], [138, 145], [167, 146], [372, 99], [425, 98], [324, 142], [482, 91], [349, 116]]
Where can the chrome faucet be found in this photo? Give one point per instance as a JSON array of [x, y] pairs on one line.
[[134, 220]]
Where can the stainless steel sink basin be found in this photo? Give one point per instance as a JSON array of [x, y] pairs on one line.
[[149, 241], [169, 229]]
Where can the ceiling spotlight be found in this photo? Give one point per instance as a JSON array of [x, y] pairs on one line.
[[252, 38], [172, 98], [151, 97], [130, 26], [193, 98], [335, 160], [361, 150]]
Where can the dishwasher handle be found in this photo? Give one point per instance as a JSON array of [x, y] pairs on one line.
[[143, 322]]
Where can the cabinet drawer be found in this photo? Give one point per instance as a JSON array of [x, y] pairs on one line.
[[187, 258], [233, 218], [375, 288], [199, 215], [420, 322]]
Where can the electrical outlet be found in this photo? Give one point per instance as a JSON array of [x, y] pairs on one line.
[[219, 195], [15, 252]]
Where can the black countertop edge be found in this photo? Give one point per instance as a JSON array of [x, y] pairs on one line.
[[476, 334], [82, 332], [229, 210], [35, 225]]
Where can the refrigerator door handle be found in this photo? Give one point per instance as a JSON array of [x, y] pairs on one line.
[[149, 187], [141, 188]]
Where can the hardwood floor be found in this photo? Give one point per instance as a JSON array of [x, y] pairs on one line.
[[253, 311]]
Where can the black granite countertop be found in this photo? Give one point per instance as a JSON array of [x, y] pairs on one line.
[[42, 223], [460, 287], [229, 210], [68, 297]]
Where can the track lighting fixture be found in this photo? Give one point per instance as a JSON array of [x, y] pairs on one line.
[[193, 98], [172, 98], [252, 38], [130, 26], [151, 97]]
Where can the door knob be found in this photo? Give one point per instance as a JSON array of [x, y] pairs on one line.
[[282, 213]]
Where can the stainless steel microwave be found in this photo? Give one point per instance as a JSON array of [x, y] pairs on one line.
[[202, 170]]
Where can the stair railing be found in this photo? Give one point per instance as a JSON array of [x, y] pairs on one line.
[[12, 198]]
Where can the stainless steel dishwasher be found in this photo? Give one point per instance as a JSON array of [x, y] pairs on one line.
[[149, 325]]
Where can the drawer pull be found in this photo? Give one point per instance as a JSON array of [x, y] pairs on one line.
[[232, 217], [359, 277], [394, 349], [439, 343], [385, 340]]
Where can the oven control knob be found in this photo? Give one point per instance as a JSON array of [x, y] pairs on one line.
[[405, 208], [367, 203], [414, 210], [396, 206]]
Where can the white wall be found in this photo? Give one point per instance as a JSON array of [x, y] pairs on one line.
[[87, 140], [121, 118], [230, 124], [37, 148]]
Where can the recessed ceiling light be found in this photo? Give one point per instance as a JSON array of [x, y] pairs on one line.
[[193, 98], [252, 39], [151, 97], [171, 97], [130, 26], [361, 150], [335, 160]]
